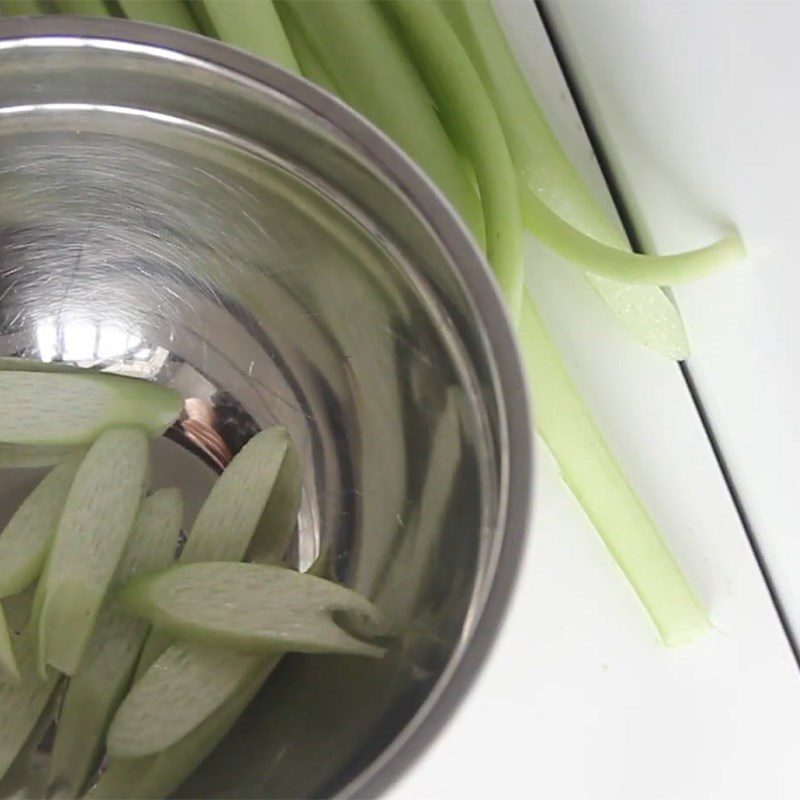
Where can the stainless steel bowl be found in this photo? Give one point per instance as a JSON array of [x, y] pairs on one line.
[[173, 208]]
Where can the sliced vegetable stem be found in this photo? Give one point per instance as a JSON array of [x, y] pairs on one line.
[[596, 480], [99, 685], [368, 66], [27, 536], [236, 514], [74, 408], [98, 515], [469, 115], [310, 65]]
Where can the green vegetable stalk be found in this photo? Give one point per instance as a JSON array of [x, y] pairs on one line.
[[87, 8], [310, 65], [589, 469], [13, 8], [252, 25], [469, 116], [172, 13], [357, 48], [563, 420]]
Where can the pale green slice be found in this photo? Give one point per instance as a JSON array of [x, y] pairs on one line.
[[97, 519], [105, 670], [34, 626], [269, 543], [232, 512], [27, 536], [186, 685], [158, 776], [279, 518], [23, 456], [74, 408], [235, 509], [247, 605], [253, 608]]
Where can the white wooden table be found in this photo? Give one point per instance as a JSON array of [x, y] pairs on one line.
[[694, 105]]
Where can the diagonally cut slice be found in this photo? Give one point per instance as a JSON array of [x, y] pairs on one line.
[[74, 408], [160, 775], [98, 516], [97, 688], [253, 608], [234, 507], [197, 727], [183, 687], [28, 534], [24, 544], [239, 504], [277, 523]]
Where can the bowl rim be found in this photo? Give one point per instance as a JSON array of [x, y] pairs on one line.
[[471, 655]]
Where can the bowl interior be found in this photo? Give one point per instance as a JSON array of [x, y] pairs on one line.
[[164, 217]]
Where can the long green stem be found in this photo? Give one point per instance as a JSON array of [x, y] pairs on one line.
[[545, 172], [622, 265], [254, 26], [469, 116], [589, 469], [20, 8], [86, 8], [310, 65], [172, 13], [372, 74]]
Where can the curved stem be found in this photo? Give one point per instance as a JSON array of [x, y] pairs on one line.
[[610, 262], [543, 167]]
